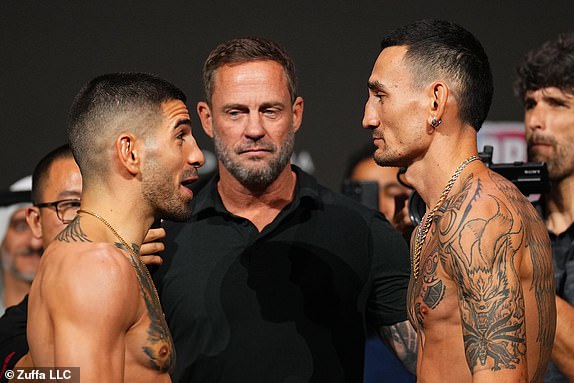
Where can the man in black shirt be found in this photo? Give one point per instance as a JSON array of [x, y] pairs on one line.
[[276, 277]]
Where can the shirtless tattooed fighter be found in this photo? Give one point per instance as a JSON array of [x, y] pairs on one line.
[[481, 290], [93, 304]]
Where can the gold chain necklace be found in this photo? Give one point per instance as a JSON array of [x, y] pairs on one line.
[[424, 228], [134, 258]]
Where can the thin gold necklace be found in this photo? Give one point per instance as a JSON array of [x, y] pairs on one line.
[[135, 260], [424, 228]]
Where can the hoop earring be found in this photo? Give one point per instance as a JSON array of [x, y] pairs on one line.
[[436, 123]]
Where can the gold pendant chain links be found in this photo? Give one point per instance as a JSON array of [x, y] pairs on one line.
[[427, 221], [134, 257]]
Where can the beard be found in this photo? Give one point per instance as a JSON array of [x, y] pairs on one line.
[[9, 265], [166, 201], [561, 164], [255, 176]]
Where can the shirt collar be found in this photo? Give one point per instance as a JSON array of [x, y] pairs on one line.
[[306, 191]]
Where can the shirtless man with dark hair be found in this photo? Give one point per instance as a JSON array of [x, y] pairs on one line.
[[481, 293], [92, 304]]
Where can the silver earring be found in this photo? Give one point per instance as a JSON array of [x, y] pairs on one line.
[[436, 123]]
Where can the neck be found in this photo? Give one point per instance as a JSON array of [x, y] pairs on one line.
[[430, 172], [129, 217], [560, 205], [259, 205]]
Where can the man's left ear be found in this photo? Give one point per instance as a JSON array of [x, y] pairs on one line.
[[298, 107], [438, 95], [128, 153]]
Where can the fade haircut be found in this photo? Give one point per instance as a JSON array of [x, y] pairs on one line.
[[42, 170], [551, 65], [242, 50], [111, 104], [438, 49]]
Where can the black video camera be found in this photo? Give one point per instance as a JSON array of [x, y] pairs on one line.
[[529, 177]]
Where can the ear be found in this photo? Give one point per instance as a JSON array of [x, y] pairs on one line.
[[438, 95], [33, 220], [205, 117], [128, 153], [298, 106]]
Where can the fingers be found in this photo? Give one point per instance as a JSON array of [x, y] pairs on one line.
[[154, 235], [151, 260], [152, 248]]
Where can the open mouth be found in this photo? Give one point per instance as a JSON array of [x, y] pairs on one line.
[[189, 183]]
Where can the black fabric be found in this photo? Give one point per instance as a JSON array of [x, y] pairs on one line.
[[288, 304], [13, 344], [563, 264]]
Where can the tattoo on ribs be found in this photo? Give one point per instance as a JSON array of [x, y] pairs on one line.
[[160, 349]]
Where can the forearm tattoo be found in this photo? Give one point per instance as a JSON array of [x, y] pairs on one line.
[[402, 339]]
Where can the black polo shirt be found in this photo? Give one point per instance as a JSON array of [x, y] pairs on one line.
[[288, 304]]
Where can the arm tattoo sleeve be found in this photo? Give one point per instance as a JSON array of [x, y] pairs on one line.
[[402, 339]]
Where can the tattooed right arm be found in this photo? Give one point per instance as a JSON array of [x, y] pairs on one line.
[[402, 339]]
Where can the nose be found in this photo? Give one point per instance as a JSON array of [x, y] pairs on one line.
[[370, 118], [535, 117], [254, 129], [195, 157]]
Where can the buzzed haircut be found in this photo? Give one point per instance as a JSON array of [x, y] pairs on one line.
[[551, 65], [439, 48], [42, 171], [111, 104], [242, 50]]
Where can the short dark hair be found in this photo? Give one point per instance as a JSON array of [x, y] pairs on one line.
[[242, 50], [442, 48], [103, 107], [42, 170], [550, 65]]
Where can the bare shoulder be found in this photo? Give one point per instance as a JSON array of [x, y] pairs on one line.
[[492, 242], [94, 278]]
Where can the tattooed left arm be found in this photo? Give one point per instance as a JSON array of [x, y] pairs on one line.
[[402, 339]]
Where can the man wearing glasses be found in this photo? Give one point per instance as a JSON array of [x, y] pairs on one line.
[[56, 192]]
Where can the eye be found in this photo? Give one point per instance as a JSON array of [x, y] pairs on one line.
[[70, 204], [556, 102], [20, 225], [183, 132], [271, 112], [379, 97], [233, 113], [529, 104]]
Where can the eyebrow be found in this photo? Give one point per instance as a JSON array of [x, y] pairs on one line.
[[183, 121], [376, 86]]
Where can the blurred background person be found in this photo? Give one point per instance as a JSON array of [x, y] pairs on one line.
[[545, 85], [392, 195], [19, 250]]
